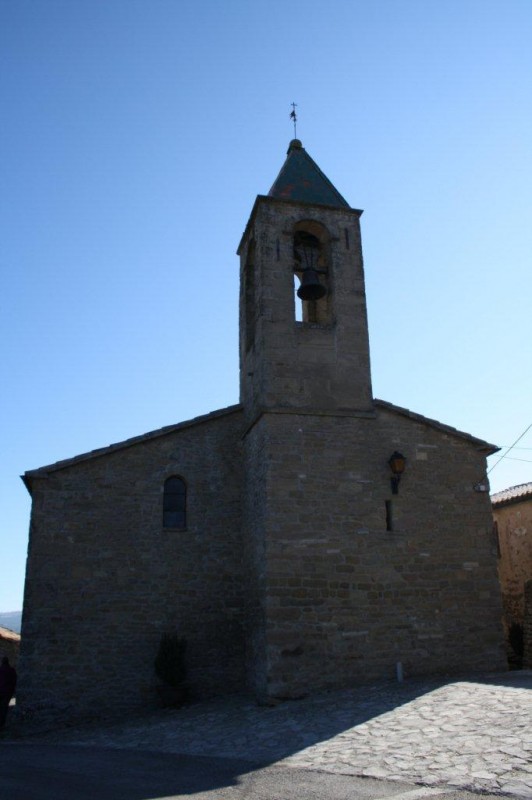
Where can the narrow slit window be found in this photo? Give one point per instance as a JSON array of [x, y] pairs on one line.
[[175, 503], [297, 302], [389, 515]]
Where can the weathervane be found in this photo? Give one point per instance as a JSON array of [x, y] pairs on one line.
[[293, 116]]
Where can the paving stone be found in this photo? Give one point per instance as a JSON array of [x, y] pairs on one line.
[[478, 737]]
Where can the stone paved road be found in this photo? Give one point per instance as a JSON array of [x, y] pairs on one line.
[[39, 771], [473, 734]]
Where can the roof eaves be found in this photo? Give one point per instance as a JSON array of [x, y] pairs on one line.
[[483, 446], [514, 494], [42, 472], [7, 633]]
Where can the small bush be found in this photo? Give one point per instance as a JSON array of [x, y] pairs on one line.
[[170, 660]]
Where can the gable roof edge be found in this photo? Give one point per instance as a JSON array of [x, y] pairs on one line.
[[42, 472], [480, 444]]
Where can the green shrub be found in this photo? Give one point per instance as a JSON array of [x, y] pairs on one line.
[[170, 660]]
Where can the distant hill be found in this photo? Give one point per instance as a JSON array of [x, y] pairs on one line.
[[11, 620]]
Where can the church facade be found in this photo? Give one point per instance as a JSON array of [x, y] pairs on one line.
[[308, 538]]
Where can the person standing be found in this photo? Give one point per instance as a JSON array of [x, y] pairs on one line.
[[8, 682]]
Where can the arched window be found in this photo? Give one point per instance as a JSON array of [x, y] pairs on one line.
[[175, 503]]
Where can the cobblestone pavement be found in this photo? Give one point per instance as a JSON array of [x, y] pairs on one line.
[[471, 734]]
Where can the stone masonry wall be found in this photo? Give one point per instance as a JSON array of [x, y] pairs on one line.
[[254, 522], [514, 527], [527, 627], [346, 599], [105, 579], [280, 369]]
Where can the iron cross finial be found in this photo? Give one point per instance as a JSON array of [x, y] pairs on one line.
[[293, 116]]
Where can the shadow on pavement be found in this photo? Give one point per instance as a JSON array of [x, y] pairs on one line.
[[51, 772], [202, 747]]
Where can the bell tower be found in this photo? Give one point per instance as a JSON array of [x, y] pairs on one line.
[[303, 324], [305, 387]]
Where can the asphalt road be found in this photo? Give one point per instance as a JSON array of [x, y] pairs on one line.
[[66, 772]]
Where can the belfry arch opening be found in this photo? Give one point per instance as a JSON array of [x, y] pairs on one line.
[[312, 285]]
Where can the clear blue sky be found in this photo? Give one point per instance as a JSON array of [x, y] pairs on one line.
[[135, 136]]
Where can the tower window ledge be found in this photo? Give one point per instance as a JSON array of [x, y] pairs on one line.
[[314, 326]]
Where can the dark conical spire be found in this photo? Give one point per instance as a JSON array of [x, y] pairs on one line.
[[302, 180]]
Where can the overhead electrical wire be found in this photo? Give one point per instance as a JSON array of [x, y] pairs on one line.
[[509, 449]]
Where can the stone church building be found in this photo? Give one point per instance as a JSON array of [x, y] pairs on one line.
[[309, 537]]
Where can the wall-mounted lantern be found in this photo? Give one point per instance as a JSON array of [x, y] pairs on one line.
[[397, 463]]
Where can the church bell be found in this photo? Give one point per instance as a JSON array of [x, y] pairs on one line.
[[310, 288], [306, 251]]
